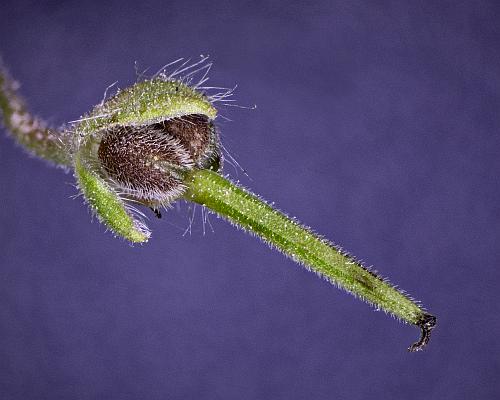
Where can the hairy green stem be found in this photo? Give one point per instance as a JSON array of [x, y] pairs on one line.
[[30, 131], [302, 245], [155, 141]]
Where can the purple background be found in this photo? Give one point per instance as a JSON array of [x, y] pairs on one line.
[[377, 124]]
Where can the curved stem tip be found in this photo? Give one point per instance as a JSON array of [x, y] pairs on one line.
[[426, 324]]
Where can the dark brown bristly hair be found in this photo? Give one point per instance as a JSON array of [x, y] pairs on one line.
[[147, 163]]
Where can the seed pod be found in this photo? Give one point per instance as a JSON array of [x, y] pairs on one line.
[[139, 145]]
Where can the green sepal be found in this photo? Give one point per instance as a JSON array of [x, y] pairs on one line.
[[147, 102], [108, 206]]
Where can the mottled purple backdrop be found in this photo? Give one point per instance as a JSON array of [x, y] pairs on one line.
[[377, 124]]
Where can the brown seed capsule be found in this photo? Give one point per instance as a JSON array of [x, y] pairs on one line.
[[197, 134], [148, 163]]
